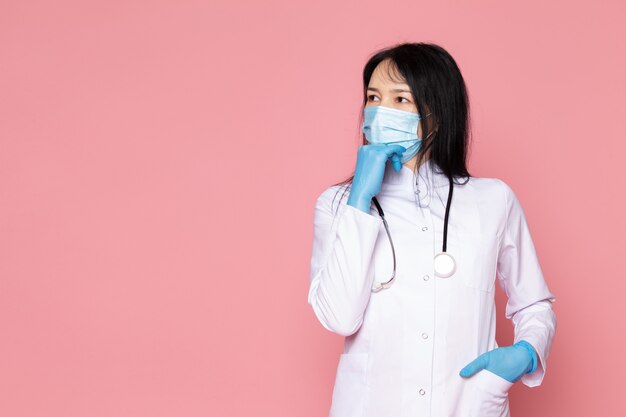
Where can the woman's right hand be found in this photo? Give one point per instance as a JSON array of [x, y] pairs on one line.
[[370, 169]]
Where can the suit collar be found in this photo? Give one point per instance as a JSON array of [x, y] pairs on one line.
[[421, 188], [429, 174]]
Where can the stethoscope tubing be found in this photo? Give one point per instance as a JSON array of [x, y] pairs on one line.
[[388, 283], [393, 250]]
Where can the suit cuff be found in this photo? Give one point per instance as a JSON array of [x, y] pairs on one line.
[[534, 378]]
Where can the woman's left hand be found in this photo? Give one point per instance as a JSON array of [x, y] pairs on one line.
[[510, 362]]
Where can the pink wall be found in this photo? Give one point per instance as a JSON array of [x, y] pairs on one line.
[[159, 162]]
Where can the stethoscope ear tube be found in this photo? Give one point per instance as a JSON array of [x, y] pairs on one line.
[[445, 220]]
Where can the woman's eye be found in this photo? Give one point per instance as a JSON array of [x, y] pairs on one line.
[[372, 97]]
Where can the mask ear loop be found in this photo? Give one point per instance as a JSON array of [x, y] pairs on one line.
[[416, 189]]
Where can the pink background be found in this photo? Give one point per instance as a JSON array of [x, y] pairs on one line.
[[159, 163]]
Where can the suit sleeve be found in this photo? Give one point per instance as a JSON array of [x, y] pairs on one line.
[[341, 263], [529, 298]]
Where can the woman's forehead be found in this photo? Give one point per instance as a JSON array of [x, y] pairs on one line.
[[386, 72]]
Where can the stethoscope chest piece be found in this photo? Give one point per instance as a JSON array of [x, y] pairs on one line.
[[445, 265]]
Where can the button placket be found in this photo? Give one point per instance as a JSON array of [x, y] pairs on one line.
[[423, 334]]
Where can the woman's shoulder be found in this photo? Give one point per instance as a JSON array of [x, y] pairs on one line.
[[333, 195], [495, 190], [490, 184]]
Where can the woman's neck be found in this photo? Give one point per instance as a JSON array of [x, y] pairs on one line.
[[413, 161]]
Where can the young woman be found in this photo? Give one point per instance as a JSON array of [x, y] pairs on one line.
[[406, 253]]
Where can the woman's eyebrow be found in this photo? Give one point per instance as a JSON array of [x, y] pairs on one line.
[[394, 90]]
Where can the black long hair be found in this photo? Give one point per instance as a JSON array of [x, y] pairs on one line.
[[436, 84]]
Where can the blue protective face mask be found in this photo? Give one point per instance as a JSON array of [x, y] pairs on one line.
[[387, 125]]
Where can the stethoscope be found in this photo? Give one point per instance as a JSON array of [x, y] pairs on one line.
[[445, 265]]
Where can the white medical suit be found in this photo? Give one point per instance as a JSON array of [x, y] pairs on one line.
[[405, 345]]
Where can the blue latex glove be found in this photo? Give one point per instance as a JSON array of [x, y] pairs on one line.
[[509, 362], [369, 172]]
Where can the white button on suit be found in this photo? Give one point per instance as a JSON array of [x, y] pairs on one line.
[[405, 345]]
